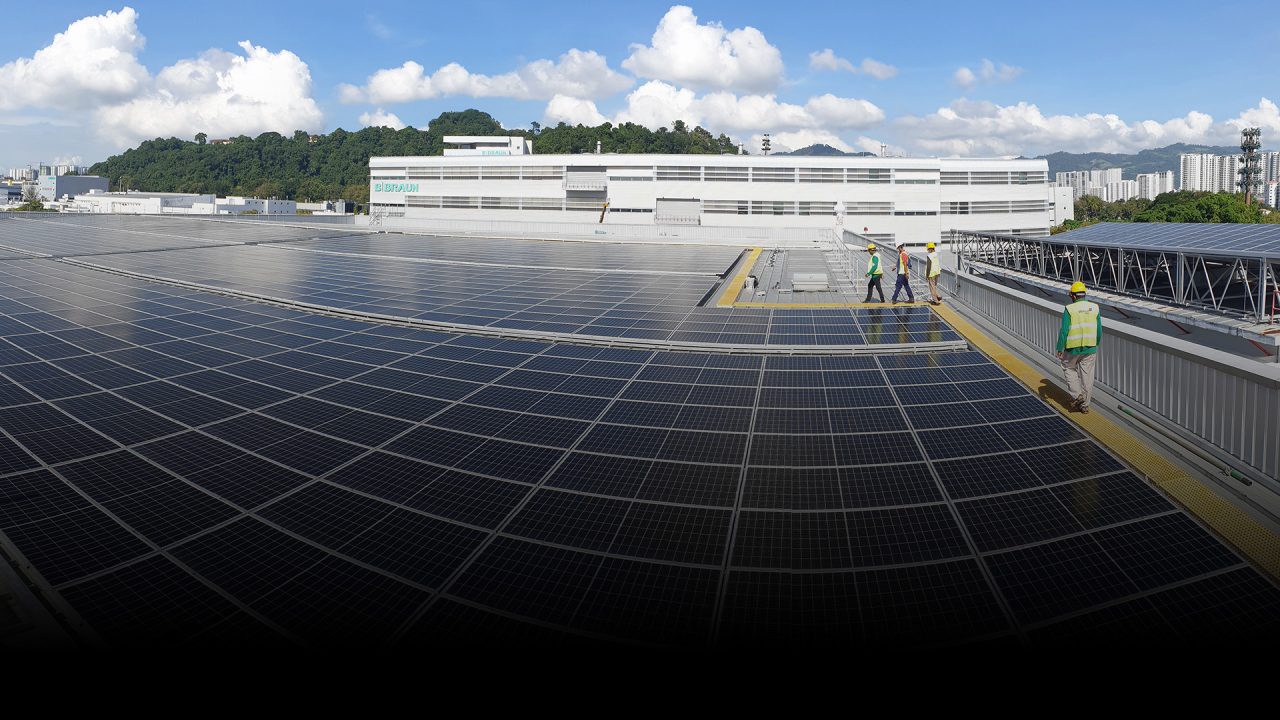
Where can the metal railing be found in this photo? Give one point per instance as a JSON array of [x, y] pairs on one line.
[[1229, 402]]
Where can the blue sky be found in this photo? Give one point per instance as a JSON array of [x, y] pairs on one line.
[[926, 78]]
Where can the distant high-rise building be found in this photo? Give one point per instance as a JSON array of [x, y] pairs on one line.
[[1152, 184], [1208, 173], [1120, 190], [1088, 182]]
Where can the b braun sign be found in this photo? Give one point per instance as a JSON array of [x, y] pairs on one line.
[[395, 187]]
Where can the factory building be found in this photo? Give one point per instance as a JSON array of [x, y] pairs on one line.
[[916, 199]]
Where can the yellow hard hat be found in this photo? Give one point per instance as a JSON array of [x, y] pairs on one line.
[[871, 247], [928, 246], [1077, 288]]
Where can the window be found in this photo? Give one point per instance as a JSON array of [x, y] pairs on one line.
[[496, 172], [822, 175], [816, 208], [773, 174], [772, 207], [542, 204], [874, 176], [424, 201], [680, 173], [725, 174], [726, 207], [868, 208], [542, 172]]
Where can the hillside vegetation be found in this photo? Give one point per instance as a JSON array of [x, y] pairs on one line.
[[326, 167]]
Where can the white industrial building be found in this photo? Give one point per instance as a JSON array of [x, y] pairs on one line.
[[882, 198], [144, 203], [485, 145], [55, 187]]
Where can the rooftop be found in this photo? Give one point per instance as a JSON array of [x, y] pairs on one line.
[[260, 433]]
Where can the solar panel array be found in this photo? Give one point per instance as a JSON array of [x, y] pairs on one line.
[[1206, 238], [633, 257], [185, 468]]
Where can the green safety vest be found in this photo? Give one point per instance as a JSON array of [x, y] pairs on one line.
[[935, 268], [873, 266], [1083, 331]]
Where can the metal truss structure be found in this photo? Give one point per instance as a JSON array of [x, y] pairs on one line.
[[1232, 285]]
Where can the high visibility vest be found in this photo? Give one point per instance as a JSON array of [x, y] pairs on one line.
[[935, 268], [903, 263], [873, 266], [1083, 332]]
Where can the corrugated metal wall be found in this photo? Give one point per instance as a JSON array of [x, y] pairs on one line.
[[1225, 401]]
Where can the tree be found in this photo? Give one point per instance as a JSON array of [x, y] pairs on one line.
[[536, 127], [336, 163], [201, 138]]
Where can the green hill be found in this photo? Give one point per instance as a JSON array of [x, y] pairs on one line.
[[1144, 161], [311, 168]]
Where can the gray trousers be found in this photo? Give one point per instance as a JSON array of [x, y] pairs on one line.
[[1078, 369]]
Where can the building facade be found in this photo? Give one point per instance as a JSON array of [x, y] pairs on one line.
[[1152, 184], [882, 198], [1088, 182], [143, 203], [53, 187], [485, 146], [1209, 173]]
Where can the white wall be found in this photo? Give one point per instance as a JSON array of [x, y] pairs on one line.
[[920, 198]]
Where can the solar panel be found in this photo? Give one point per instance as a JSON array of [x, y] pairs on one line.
[[188, 468], [1205, 238]]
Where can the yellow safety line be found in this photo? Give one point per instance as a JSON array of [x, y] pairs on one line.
[[1249, 536], [729, 295], [827, 305]]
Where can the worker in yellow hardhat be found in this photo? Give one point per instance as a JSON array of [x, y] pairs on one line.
[[1078, 346], [933, 269], [904, 273], [874, 272]]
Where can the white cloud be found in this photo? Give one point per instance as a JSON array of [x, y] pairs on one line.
[[1265, 116], [752, 112], [92, 62], [878, 70], [982, 128], [574, 111], [707, 56], [577, 73], [988, 72], [219, 93], [828, 60], [381, 118], [837, 112], [657, 104]]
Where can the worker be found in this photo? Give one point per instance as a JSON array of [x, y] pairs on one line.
[[932, 271], [904, 269], [874, 271], [1078, 346]]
